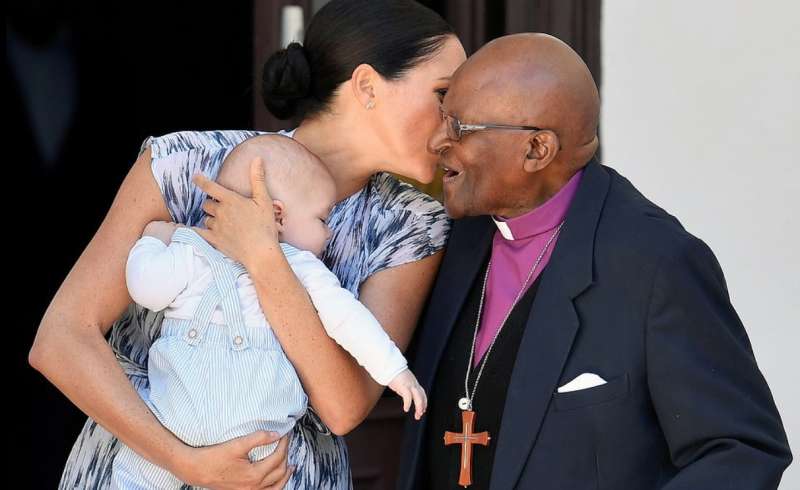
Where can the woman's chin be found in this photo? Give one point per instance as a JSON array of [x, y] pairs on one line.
[[426, 174], [426, 179]]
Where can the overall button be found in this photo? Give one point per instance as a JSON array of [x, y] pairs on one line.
[[192, 333], [237, 340]]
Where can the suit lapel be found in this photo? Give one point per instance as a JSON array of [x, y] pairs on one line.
[[467, 250], [550, 330]]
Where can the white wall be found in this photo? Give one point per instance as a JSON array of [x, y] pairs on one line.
[[701, 111]]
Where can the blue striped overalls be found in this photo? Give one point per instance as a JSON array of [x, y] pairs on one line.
[[210, 383]]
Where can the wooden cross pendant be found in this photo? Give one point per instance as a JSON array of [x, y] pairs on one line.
[[466, 438]]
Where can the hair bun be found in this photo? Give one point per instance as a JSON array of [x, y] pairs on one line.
[[286, 81]]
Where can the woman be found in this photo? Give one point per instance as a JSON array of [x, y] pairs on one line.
[[368, 82]]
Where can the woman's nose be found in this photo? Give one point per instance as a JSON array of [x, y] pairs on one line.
[[438, 143]]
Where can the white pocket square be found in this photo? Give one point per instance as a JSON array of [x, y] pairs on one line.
[[582, 382]]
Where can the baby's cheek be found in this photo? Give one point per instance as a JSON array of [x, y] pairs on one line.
[[321, 241]]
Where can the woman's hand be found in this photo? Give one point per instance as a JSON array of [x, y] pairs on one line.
[[240, 227], [226, 466]]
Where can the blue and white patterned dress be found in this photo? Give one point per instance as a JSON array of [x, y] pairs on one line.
[[385, 224]]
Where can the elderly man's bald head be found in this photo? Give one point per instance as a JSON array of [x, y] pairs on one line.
[[531, 80], [538, 80]]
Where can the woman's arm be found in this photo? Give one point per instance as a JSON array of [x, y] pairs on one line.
[[340, 390], [70, 348]]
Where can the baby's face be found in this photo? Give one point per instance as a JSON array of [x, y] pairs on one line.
[[305, 216]]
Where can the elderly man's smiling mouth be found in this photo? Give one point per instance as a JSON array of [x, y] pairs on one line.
[[450, 173]]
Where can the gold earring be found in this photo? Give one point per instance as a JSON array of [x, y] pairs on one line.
[[370, 104]]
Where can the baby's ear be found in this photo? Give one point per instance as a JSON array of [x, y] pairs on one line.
[[278, 208]]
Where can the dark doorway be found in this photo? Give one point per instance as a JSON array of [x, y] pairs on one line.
[[82, 90]]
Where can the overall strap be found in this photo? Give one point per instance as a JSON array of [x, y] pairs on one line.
[[190, 237], [203, 314], [225, 272]]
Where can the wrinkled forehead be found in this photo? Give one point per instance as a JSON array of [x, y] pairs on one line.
[[479, 90]]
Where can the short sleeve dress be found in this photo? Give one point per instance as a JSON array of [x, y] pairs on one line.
[[385, 224]]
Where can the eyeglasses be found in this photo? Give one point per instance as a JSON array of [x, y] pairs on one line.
[[456, 129]]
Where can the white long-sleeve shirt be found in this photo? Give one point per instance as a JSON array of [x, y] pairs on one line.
[[174, 277]]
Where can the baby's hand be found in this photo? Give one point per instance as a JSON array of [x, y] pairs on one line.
[[162, 230], [405, 384]]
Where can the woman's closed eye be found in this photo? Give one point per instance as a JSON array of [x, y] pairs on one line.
[[440, 93]]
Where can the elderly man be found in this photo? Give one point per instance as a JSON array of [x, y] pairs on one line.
[[577, 336]]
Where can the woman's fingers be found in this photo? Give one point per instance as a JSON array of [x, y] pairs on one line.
[[236, 225], [273, 467], [258, 182], [210, 207], [227, 465], [211, 188], [283, 481], [255, 439]]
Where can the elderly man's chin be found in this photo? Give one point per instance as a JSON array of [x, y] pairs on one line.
[[453, 213], [453, 205], [460, 196]]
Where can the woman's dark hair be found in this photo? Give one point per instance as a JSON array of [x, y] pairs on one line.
[[392, 36]]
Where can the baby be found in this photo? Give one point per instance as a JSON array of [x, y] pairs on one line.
[[218, 371]]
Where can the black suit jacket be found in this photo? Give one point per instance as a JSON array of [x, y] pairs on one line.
[[633, 297]]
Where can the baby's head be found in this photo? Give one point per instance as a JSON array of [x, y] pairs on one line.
[[301, 187]]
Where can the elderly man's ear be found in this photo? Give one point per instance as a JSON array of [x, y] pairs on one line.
[[541, 149]]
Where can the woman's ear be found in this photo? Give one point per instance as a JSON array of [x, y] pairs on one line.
[[279, 209], [541, 148], [363, 82]]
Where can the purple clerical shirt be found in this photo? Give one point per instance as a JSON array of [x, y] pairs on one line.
[[515, 246]]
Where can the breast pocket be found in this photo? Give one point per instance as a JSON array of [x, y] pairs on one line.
[[617, 388]]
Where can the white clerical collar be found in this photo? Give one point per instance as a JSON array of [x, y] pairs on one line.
[[541, 219], [505, 230]]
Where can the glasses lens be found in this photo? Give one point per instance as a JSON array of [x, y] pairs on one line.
[[453, 128]]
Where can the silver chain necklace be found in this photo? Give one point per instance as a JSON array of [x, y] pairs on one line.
[[466, 402]]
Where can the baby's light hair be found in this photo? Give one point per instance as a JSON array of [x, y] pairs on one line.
[[287, 164]]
